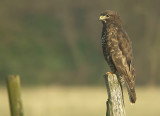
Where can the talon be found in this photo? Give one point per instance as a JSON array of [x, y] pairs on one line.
[[109, 73]]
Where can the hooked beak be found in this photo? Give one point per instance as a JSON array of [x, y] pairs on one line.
[[101, 18]]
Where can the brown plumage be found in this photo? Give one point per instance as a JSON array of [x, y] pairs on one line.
[[117, 50]]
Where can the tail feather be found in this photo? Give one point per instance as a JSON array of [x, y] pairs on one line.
[[132, 94], [130, 88]]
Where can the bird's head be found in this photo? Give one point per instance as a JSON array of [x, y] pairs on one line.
[[109, 16]]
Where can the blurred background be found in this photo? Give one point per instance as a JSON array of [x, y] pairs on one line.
[[55, 46]]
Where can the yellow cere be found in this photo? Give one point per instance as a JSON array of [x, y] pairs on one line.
[[102, 17]]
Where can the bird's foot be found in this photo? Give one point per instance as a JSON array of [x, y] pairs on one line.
[[107, 73]]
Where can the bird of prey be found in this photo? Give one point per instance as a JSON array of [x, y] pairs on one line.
[[117, 50]]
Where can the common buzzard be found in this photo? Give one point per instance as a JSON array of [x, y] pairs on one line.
[[117, 50]]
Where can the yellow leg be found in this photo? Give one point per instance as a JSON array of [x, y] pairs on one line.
[[110, 73]]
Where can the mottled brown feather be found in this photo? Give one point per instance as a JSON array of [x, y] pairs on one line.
[[117, 50]]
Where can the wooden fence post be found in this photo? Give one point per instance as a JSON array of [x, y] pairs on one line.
[[13, 86], [115, 103]]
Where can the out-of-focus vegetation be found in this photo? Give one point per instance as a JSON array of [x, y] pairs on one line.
[[59, 41], [80, 101]]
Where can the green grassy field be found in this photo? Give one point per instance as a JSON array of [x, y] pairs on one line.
[[79, 101]]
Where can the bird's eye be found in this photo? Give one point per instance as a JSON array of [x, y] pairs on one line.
[[107, 16]]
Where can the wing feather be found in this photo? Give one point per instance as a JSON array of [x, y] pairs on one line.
[[122, 59]]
